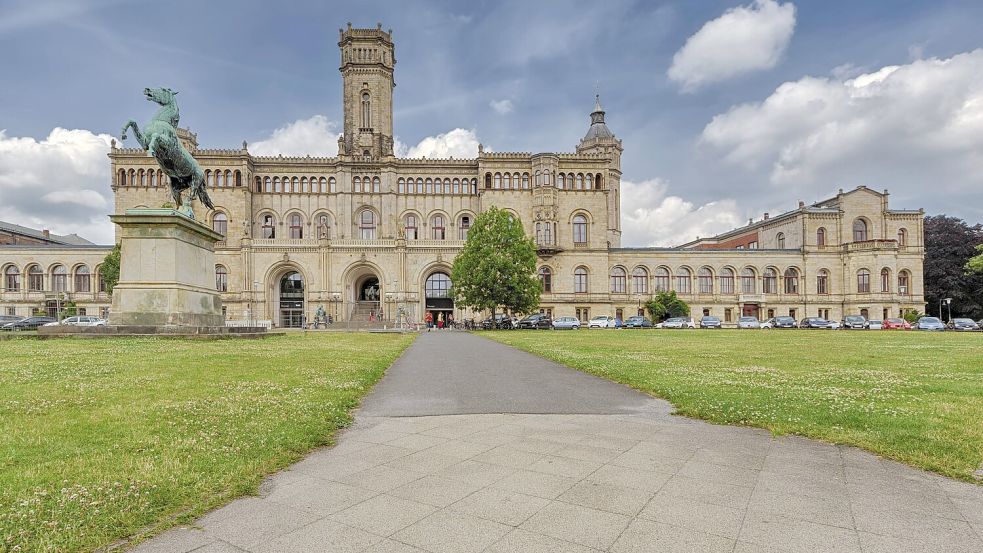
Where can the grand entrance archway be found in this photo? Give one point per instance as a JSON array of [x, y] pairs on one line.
[[439, 302], [292, 300]]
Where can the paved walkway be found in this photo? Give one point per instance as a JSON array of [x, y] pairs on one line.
[[468, 445]]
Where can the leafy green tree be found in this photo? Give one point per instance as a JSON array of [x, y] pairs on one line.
[[497, 266], [975, 263], [666, 304], [109, 270], [913, 315]]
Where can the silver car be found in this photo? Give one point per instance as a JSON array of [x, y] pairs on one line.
[[569, 323], [929, 323], [748, 322]]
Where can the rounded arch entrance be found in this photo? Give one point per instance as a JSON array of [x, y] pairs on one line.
[[287, 293], [437, 297], [364, 292]]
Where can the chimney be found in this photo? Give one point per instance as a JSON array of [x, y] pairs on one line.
[[46, 233], [766, 216], [801, 204]]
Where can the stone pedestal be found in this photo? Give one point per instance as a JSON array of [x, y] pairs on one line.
[[167, 272]]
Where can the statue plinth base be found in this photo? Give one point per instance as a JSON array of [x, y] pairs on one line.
[[167, 272]]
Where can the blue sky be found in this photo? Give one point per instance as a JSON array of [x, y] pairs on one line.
[[727, 109]]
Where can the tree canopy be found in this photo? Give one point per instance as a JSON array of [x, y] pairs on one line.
[[497, 266], [666, 304], [109, 269], [950, 243]]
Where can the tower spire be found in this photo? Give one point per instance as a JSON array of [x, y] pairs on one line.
[[597, 127]]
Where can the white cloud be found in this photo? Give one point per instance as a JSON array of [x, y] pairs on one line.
[[501, 106], [315, 136], [457, 143], [742, 40], [902, 127], [61, 183], [655, 218]]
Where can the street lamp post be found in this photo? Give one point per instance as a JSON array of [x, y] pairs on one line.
[[948, 306]]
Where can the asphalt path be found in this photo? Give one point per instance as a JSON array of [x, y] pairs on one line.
[[456, 373]]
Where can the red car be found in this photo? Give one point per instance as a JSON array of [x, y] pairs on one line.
[[896, 324]]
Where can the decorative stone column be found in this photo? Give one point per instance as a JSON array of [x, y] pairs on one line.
[[167, 271]]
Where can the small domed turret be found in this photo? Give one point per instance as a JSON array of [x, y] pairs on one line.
[[597, 127]]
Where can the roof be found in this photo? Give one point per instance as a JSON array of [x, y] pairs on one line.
[[65, 240], [597, 127]]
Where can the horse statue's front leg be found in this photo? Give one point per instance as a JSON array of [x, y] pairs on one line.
[[136, 132]]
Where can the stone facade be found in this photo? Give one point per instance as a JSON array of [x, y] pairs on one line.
[[363, 232]]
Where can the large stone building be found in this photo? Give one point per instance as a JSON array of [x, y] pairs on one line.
[[365, 233]]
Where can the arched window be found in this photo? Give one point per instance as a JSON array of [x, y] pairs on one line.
[[447, 186], [580, 280], [539, 234], [269, 227], [366, 224], [305, 185], [580, 181], [885, 280], [220, 223], [221, 278], [488, 178], [508, 180], [821, 237], [684, 281], [401, 185], [464, 227], [295, 185], [122, 177], [662, 279], [11, 278], [437, 227], [561, 181], [704, 279], [296, 226], [639, 280], [597, 182], [411, 227], [366, 111], [238, 177], [546, 279], [323, 227], [438, 285], [538, 181], [791, 281], [419, 186], [859, 230], [376, 185], [153, 179], [769, 281], [457, 186], [726, 280], [498, 181], [822, 282], [579, 229], [619, 281], [590, 182], [863, 281], [429, 186], [516, 180], [276, 184], [525, 181], [267, 185], [35, 278], [143, 178], [357, 184], [749, 283], [904, 283], [59, 278], [781, 240], [332, 185], [902, 238]]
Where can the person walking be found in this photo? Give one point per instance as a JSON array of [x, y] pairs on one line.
[[440, 320], [429, 320]]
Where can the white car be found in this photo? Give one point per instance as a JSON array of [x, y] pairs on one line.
[[601, 321], [875, 325], [679, 322], [79, 320]]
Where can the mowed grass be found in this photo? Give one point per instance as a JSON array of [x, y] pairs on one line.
[[914, 397], [102, 439]]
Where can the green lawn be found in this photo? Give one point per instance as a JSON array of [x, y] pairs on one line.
[[913, 397], [100, 439]]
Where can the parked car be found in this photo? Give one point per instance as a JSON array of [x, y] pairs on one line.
[[502, 321], [570, 323], [638, 321], [79, 320], [710, 322], [854, 322], [814, 322], [601, 321], [780, 322], [4, 319], [679, 322], [534, 321], [964, 325], [875, 324], [834, 325], [748, 322], [929, 323], [30, 323], [896, 324]]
